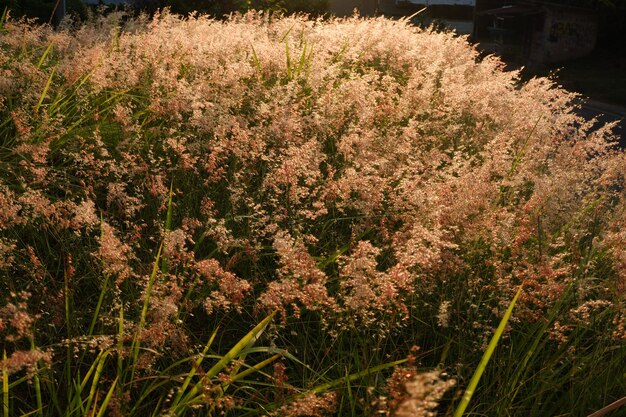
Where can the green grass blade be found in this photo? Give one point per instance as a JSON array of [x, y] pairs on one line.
[[102, 292], [257, 63], [249, 338], [302, 61], [120, 342], [192, 372], [3, 18], [30, 413], [539, 341], [68, 324], [520, 154], [343, 380], [105, 403], [101, 359], [325, 387], [251, 370], [288, 60], [45, 54], [144, 311], [45, 91], [168, 224], [91, 370], [99, 305], [37, 383], [5, 385], [469, 391]]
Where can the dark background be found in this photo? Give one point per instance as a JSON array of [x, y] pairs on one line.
[[42, 9]]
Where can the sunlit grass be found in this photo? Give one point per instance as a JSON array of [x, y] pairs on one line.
[[273, 216]]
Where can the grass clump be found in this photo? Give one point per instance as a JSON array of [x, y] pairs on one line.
[[265, 215]]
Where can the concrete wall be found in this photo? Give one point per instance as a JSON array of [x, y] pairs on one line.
[[566, 34], [471, 3], [346, 7]]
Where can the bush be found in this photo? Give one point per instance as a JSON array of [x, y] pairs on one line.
[[373, 184]]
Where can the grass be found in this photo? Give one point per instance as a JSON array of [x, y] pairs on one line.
[[185, 263]]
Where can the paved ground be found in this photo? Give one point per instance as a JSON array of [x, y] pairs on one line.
[[606, 113]]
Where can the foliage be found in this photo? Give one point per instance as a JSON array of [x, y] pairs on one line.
[[263, 215]]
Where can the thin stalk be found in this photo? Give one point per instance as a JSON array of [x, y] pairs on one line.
[[3, 18], [99, 305], [45, 54], [105, 403], [257, 63], [193, 370], [168, 225], [144, 311], [120, 342], [45, 90], [37, 383], [471, 388], [5, 385], [236, 350], [539, 341], [366, 372], [68, 361], [288, 60], [251, 370], [96, 378], [102, 291]]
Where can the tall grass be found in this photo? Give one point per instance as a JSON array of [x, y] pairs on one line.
[[282, 216]]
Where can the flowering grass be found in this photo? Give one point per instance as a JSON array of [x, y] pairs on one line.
[[267, 215]]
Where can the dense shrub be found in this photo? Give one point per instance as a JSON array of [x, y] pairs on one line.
[[374, 183]]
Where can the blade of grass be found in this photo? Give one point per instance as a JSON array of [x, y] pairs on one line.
[[408, 18], [45, 90], [3, 18], [251, 370], [330, 385], [340, 381], [253, 335], [284, 37], [469, 391], [192, 372], [70, 347], [351, 399], [539, 341], [102, 292], [30, 413], [96, 378], [44, 55], [120, 342], [91, 370], [303, 61], [5, 385], [168, 224], [242, 356], [144, 311], [257, 63], [37, 383], [288, 60], [105, 403]]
